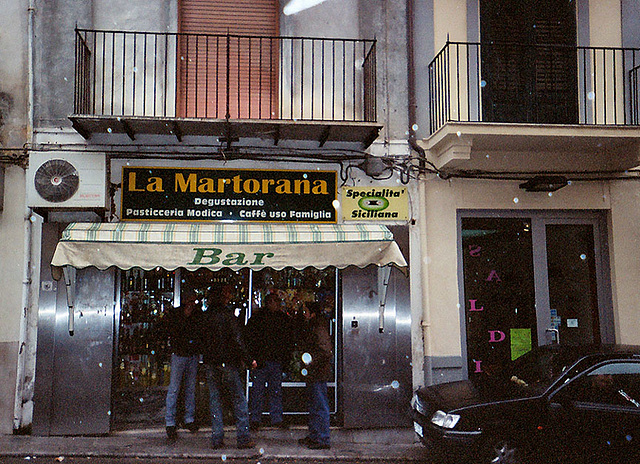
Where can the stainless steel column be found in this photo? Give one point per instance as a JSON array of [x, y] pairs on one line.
[[376, 382], [73, 373]]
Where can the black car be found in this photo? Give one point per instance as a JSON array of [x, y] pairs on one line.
[[554, 404]]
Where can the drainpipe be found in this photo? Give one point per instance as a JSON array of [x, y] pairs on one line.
[[425, 323], [27, 247]]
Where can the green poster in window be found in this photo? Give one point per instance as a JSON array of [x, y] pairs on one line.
[[520, 342]]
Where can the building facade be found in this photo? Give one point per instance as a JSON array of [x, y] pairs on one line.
[[494, 146], [15, 226], [243, 121], [530, 133]]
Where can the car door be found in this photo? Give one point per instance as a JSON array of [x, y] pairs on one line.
[[597, 414]]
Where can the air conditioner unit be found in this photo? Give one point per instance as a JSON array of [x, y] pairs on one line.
[[67, 180]]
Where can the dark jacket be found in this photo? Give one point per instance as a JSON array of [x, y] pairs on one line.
[[222, 339], [269, 337], [183, 331], [317, 342]]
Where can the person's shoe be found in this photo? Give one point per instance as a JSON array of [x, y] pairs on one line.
[[172, 432], [312, 444], [192, 427], [254, 426], [246, 444], [304, 441], [218, 445], [316, 445]]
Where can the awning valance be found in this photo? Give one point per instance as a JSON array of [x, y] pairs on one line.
[[225, 245]]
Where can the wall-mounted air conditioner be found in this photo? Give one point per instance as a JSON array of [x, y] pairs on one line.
[[66, 180]]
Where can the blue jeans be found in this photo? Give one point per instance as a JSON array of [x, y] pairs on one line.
[[271, 375], [217, 377], [187, 367], [318, 412]]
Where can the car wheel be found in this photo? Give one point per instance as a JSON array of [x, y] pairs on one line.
[[504, 451]]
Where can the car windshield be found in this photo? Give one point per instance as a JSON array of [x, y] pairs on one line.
[[532, 373]]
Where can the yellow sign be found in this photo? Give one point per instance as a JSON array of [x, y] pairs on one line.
[[375, 204]]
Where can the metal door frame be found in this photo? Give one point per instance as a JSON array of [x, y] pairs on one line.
[[539, 220]]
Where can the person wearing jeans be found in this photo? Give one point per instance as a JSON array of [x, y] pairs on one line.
[[226, 358], [217, 378], [182, 326], [266, 379], [317, 357], [270, 339], [319, 436]]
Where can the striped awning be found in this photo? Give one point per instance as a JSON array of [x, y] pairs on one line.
[[225, 245]]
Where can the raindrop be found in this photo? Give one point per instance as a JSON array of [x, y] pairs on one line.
[[305, 175], [306, 358], [629, 437], [109, 413], [591, 96], [459, 134], [550, 194], [109, 130], [304, 372], [483, 83], [141, 400], [261, 450], [335, 204], [395, 384], [414, 127], [583, 256], [515, 200], [99, 364], [224, 457], [135, 69]]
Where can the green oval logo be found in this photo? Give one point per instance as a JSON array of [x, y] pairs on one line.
[[373, 203]]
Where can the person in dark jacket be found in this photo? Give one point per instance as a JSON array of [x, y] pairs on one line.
[[317, 356], [269, 336], [226, 357], [182, 327]]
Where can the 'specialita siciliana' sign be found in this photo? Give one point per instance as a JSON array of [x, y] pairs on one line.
[[375, 204], [202, 194]]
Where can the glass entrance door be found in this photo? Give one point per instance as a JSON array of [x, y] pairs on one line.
[[142, 356], [573, 286], [530, 280]]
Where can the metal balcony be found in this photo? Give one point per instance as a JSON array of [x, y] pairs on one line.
[[532, 101], [228, 86]]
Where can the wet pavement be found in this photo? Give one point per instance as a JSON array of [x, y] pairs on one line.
[[272, 445]]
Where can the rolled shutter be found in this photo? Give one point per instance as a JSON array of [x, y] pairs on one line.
[[228, 59]]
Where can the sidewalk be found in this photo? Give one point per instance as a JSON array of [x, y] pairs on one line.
[[378, 444]]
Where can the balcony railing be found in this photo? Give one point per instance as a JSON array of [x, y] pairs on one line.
[[175, 75], [543, 84]]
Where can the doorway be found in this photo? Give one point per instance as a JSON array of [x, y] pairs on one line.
[[531, 279], [142, 356], [529, 61]]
